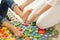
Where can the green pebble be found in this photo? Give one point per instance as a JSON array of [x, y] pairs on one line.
[[3, 39], [21, 25], [54, 32], [39, 39], [50, 30], [36, 36], [18, 24], [30, 30], [33, 23], [21, 38], [26, 33]]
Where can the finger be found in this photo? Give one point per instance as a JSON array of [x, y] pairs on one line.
[[21, 8]]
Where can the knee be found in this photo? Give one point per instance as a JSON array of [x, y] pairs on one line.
[[40, 24]]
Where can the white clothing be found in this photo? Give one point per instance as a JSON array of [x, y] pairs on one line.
[[38, 7], [50, 17], [52, 2]]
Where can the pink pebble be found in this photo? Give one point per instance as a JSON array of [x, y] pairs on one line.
[[26, 24]]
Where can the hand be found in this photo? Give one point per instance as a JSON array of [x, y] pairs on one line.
[[29, 17], [27, 13], [21, 8]]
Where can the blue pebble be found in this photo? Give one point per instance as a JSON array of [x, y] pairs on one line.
[[24, 27], [47, 33], [34, 33], [43, 38], [32, 27]]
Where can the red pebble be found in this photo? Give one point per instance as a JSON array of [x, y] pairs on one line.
[[6, 35], [1, 31], [41, 31], [26, 24]]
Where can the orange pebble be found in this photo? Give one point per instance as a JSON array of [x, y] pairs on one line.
[[27, 38], [1, 31], [41, 32], [3, 35], [19, 28], [6, 35]]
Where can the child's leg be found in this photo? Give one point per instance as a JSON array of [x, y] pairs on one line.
[[21, 14], [49, 18], [18, 11], [12, 28], [27, 13]]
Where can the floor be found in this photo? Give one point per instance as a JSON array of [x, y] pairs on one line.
[[58, 28]]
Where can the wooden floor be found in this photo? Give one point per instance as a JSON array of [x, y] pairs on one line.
[[58, 28]]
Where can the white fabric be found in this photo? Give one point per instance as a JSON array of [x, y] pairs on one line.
[[38, 7], [52, 2], [50, 18]]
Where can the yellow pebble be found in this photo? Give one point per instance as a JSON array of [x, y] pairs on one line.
[[4, 28], [7, 31], [14, 20], [11, 16], [7, 38], [12, 38], [10, 35], [11, 21]]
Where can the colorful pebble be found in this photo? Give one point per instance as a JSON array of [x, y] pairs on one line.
[[41, 31], [27, 38], [19, 28], [26, 24]]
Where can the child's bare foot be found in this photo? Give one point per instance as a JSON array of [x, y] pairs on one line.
[[18, 33], [13, 29], [26, 15]]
